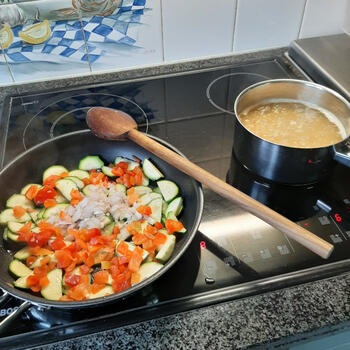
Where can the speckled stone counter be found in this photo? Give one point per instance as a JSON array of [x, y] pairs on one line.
[[273, 319]]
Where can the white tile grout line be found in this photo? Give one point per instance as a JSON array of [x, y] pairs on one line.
[[302, 19], [234, 25], [85, 43], [7, 64], [162, 29]]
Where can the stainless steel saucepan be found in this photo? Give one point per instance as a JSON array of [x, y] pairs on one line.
[[284, 164]]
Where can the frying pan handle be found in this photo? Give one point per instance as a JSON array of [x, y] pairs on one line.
[[342, 152], [6, 322]]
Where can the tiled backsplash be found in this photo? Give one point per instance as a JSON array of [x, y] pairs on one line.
[[47, 39]]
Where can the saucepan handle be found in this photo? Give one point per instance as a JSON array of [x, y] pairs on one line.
[[5, 323], [342, 152]]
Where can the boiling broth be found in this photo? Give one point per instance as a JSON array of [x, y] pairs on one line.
[[293, 124]]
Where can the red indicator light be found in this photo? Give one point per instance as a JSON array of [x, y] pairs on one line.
[[337, 217], [202, 244], [309, 161], [306, 224]]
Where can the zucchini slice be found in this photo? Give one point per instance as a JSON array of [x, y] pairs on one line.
[[20, 200], [148, 197], [168, 189], [90, 162], [148, 269], [53, 291], [175, 206], [131, 163], [108, 229], [22, 254], [54, 210], [156, 206], [107, 171], [108, 290], [77, 181], [36, 263], [22, 282], [54, 170], [35, 214], [120, 187], [150, 170], [26, 188], [14, 227], [166, 250], [80, 174], [60, 198], [7, 215], [66, 187], [13, 237], [141, 190], [19, 269]]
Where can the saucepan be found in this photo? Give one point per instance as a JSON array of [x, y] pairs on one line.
[[67, 150], [290, 165]]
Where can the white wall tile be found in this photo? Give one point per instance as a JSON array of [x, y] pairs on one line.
[[5, 78], [266, 24], [197, 28], [324, 17]]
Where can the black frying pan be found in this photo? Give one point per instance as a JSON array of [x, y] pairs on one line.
[[67, 150]]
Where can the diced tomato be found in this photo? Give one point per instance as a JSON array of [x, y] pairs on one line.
[[95, 288], [62, 214], [18, 211], [144, 210], [32, 280], [138, 176], [50, 203], [25, 228], [136, 260], [101, 277], [148, 244], [31, 260], [139, 238], [173, 226], [76, 197], [118, 171], [46, 192], [31, 192], [78, 292], [160, 238], [150, 236], [86, 181], [57, 244], [43, 282], [121, 260], [158, 225], [71, 280], [84, 269], [90, 260], [116, 230], [51, 180], [122, 248], [64, 258], [44, 261], [106, 265], [104, 254], [135, 278]]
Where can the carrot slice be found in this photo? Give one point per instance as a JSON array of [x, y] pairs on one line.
[[135, 278], [32, 191], [50, 203]]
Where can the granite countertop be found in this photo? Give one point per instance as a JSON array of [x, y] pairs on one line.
[[276, 318]]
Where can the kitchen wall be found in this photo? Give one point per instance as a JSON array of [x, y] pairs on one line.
[[46, 39]]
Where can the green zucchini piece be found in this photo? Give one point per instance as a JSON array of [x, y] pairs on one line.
[[131, 163], [36, 263], [13, 237], [108, 229], [148, 269], [66, 187], [5, 234], [148, 197], [107, 171], [141, 190], [150, 170], [22, 282], [77, 181], [53, 291], [35, 214], [156, 207], [166, 250], [54, 170], [7, 215], [80, 174], [19, 269], [22, 254], [20, 200], [60, 198], [90, 162], [55, 210], [88, 189], [120, 187], [175, 206], [168, 189], [26, 188], [108, 290], [14, 226]]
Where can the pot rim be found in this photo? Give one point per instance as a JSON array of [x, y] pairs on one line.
[[293, 81]]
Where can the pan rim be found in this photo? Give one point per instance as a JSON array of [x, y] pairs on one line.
[[40, 301]]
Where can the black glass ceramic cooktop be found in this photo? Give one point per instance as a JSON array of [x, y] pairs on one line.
[[234, 254]]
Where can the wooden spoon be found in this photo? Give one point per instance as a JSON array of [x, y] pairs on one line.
[[112, 124]]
